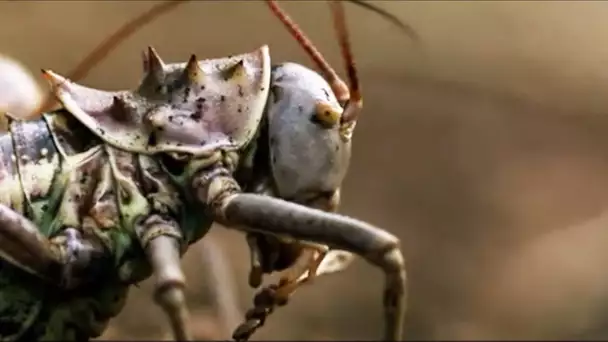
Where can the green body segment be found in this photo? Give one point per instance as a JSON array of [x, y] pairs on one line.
[[57, 174]]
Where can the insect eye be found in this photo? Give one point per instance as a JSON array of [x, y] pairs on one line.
[[326, 115]]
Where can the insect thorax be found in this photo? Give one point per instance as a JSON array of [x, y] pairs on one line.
[[58, 175]]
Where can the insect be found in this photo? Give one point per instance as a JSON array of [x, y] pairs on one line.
[[113, 188]]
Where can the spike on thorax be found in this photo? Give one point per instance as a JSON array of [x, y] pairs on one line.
[[193, 74], [55, 80], [154, 69], [237, 71], [154, 65], [120, 110]]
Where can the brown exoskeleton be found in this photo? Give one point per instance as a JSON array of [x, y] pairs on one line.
[[124, 181]]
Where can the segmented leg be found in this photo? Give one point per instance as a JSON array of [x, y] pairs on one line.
[[61, 261], [321, 262], [317, 260], [163, 252], [267, 215], [222, 284]]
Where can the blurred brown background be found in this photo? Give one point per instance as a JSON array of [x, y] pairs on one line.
[[485, 150]]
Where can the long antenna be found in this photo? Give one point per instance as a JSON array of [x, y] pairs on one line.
[[131, 27], [345, 47], [337, 85], [406, 28]]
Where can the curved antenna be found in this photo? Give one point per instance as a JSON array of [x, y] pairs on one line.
[[407, 29], [111, 42], [128, 29], [345, 47], [337, 85], [350, 97], [353, 107]]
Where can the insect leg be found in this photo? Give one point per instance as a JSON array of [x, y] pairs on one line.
[[317, 260], [322, 262], [163, 251], [58, 261], [267, 215]]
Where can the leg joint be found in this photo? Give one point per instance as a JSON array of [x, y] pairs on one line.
[[389, 257]]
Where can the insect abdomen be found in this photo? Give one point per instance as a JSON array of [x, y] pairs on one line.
[[43, 165], [27, 166], [28, 163]]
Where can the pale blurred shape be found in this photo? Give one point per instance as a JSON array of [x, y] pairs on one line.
[[20, 95]]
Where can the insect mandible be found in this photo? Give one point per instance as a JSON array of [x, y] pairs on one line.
[[115, 186]]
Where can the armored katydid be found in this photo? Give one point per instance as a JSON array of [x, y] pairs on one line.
[[115, 186]]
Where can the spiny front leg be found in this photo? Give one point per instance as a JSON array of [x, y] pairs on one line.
[[269, 254], [160, 238], [61, 261], [221, 195]]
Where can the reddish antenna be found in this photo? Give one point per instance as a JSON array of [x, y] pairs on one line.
[[345, 47], [350, 96], [355, 104], [337, 84]]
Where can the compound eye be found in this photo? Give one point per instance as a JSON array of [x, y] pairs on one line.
[[326, 114]]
